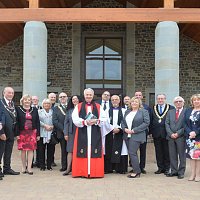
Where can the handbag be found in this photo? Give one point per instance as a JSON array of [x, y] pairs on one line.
[[54, 139]]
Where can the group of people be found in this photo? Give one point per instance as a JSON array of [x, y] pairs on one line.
[[100, 137]]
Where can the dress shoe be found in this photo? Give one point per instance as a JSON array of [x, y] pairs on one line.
[[134, 176], [171, 174], [180, 176], [49, 168], [1, 174], [143, 171], [53, 164], [42, 168], [62, 169], [11, 172], [159, 171], [166, 172], [66, 173], [108, 172]]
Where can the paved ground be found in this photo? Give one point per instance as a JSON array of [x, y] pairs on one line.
[[52, 185]]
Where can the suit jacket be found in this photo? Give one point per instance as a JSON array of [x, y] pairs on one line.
[[157, 129], [189, 126], [10, 119], [2, 120], [99, 101], [173, 126], [58, 120], [139, 125], [69, 127]]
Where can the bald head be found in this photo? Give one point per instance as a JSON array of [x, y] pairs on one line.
[[52, 97], [8, 93]]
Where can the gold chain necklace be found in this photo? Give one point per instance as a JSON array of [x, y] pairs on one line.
[[163, 115], [12, 112], [62, 110], [24, 111]]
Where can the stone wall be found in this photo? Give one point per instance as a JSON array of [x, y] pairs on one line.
[[144, 57], [145, 62], [60, 56], [11, 62], [189, 67]]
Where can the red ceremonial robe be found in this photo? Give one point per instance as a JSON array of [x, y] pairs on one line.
[[80, 165]]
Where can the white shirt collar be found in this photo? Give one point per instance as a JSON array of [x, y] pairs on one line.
[[7, 101]]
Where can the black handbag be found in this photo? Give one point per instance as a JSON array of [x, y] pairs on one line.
[[54, 140]]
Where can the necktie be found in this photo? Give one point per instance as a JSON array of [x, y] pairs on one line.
[[160, 109], [9, 104], [177, 114], [104, 106]]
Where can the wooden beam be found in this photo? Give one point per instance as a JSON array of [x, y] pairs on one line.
[[100, 15], [62, 3], [168, 3], [34, 3]]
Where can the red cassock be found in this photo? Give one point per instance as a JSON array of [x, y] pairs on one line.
[[86, 167]]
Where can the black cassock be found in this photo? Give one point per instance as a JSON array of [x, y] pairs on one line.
[[113, 159]]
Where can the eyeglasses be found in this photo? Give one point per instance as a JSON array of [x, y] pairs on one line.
[[106, 94], [178, 101], [62, 97]]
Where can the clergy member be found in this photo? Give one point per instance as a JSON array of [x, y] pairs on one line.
[[116, 153], [88, 116]]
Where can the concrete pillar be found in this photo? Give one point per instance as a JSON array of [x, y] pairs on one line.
[[129, 80], [167, 59], [35, 59]]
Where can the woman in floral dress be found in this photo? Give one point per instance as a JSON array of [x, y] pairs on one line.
[[192, 129], [28, 131]]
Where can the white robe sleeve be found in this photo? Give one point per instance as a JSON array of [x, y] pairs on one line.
[[79, 122]]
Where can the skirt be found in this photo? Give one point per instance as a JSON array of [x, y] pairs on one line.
[[27, 140], [193, 149]]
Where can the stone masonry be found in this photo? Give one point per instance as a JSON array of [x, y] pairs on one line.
[[60, 56]]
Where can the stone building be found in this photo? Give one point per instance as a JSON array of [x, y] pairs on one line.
[[112, 56]]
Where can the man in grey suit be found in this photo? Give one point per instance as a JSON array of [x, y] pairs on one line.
[[175, 134]]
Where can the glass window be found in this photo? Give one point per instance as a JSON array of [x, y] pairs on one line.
[[103, 63]]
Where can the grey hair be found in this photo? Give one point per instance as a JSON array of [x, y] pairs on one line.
[[160, 94], [46, 100], [179, 97], [89, 89]]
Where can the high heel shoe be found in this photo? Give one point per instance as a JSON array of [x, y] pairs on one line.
[[191, 178], [134, 176], [29, 173], [197, 179]]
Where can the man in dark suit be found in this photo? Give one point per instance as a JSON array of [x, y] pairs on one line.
[[2, 123], [175, 134], [59, 113], [143, 146], [7, 138], [158, 131], [35, 103], [52, 97], [105, 101], [126, 102]]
